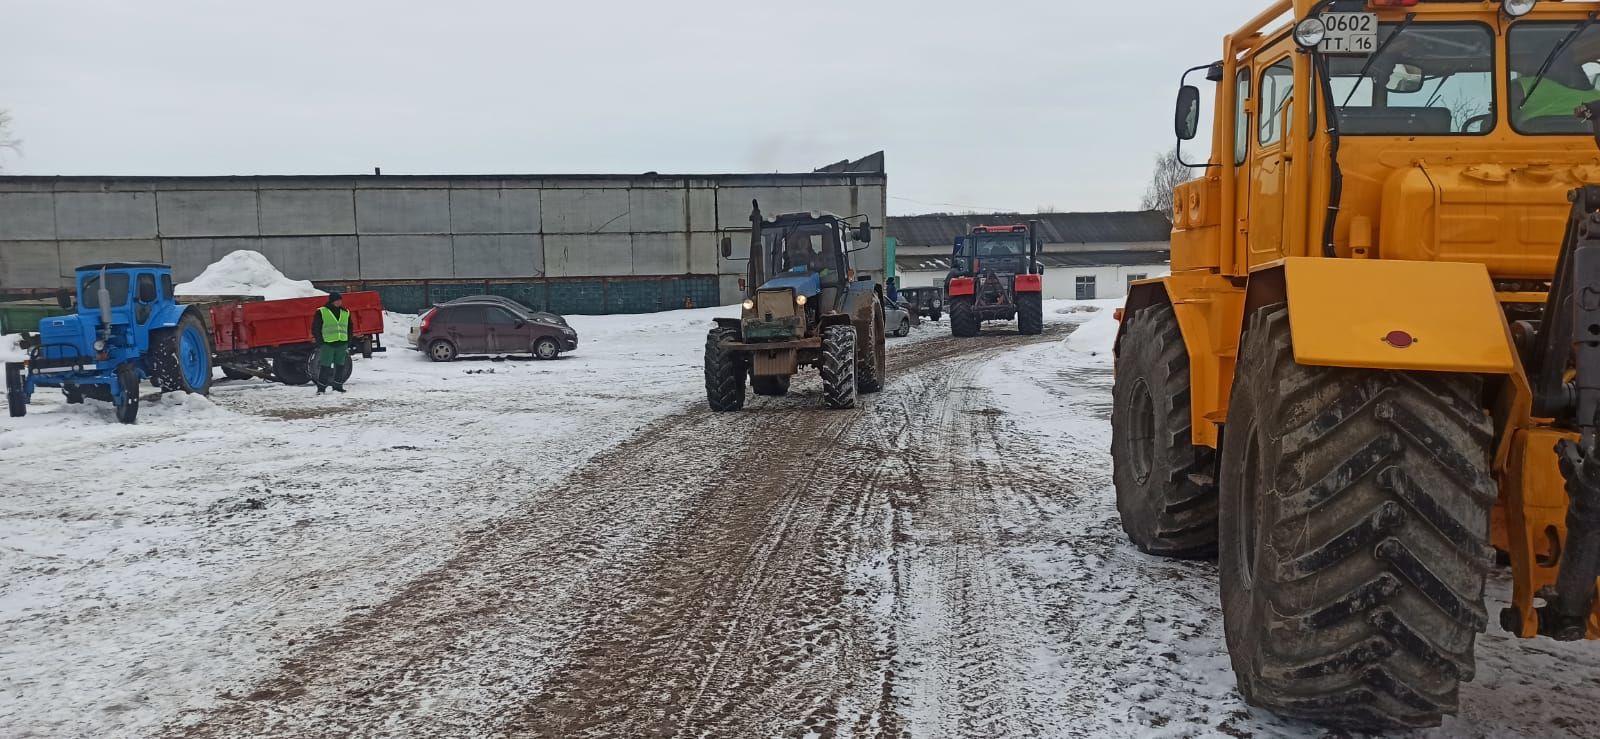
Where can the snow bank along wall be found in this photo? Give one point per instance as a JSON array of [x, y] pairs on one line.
[[573, 244]]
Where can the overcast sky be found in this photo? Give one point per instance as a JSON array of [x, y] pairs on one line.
[[990, 105]]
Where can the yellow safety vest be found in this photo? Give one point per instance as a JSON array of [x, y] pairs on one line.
[[335, 326]]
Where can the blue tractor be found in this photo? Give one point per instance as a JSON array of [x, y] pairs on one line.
[[127, 327]]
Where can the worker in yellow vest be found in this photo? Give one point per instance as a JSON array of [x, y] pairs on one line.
[[330, 328]]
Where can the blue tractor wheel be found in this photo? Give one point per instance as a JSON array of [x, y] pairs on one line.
[[181, 357], [126, 399]]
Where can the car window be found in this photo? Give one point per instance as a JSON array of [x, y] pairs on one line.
[[463, 315], [501, 317]]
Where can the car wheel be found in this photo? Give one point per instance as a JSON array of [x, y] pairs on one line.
[[442, 351], [546, 349]]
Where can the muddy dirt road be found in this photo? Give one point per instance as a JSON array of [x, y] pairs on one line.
[[732, 575]]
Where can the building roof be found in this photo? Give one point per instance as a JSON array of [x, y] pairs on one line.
[[941, 229], [1051, 260]]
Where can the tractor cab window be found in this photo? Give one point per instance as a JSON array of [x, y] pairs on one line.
[[117, 283], [998, 246], [1569, 54], [1277, 91], [1426, 79], [813, 248]]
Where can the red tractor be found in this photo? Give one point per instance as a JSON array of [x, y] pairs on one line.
[[996, 276]]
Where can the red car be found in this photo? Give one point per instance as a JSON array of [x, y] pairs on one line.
[[491, 325]]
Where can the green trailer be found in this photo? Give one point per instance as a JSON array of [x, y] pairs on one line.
[[17, 316]]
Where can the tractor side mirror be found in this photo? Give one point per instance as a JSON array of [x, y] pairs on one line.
[[1186, 121], [1405, 79], [863, 233], [147, 291], [64, 299], [727, 247]]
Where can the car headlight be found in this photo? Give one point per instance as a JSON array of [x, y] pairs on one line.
[[800, 300], [1310, 33], [749, 305], [1518, 8]]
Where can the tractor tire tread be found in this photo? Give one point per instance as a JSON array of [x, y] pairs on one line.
[[1173, 515], [963, 318], [1030, 314], [725, 372], [1370, 587], [838, 367]]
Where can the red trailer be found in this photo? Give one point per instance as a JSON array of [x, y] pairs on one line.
[[271, 339]]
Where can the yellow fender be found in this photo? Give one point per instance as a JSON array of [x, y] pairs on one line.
[[1387, 314]]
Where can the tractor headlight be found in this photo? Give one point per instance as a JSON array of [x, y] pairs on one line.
[[1518, 8], [800, 300], [749, 304], [1310, 33], [99, 345]]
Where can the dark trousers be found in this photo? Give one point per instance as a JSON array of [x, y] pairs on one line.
[[331, 359]]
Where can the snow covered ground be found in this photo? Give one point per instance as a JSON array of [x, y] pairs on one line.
[[389, 554]]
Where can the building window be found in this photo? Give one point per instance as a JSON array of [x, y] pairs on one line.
[[1086, 287], [1132, 278]]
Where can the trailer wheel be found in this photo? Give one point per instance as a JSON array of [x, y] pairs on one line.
[[16, 394], [1167, 504], [182, 357], [1030, 314], [725, 372], [1355, 530], [771, 387], [839, 367], [291, 369], [963, 318], [126, 403]]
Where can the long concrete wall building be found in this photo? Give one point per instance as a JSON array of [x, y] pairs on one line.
[[570, 243]]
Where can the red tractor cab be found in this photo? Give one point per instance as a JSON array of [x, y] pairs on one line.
[[996, 276]]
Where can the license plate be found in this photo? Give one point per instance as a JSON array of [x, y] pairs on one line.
[[1354, 34]]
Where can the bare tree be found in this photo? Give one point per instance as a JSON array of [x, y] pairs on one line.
[[1169, 173], [7, 141]]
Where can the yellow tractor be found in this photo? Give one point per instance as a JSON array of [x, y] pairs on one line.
[[1374, 372]]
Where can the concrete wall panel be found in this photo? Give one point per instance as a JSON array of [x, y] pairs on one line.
[[75, 254], [592, 255], [308, 212], [498, 255], [314, 257], [27, 215], [189, 257], [728, 286], [208, 213], [494, 211], [703, 209], [733, 203], [406, 257], [29, 264], [403, 211], [658, 211], [105, 215], [586, 211], [704, 253], [660, 254]]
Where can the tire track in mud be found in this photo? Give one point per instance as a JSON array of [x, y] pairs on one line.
[[723, 575]]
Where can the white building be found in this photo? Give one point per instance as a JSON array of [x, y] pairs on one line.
[[1086, 255]]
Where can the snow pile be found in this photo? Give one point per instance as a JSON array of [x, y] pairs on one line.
[[11, 348], [1096, 336], [247, 272]]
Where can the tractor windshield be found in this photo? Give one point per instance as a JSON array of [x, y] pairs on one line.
[[116, 282], [1426, 79], [811, 248], [1553, 69], [1010, 245]]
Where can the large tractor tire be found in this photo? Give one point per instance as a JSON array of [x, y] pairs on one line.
[[1030, 314], [1355, 525], [839, 367], [770, 387], [180, 358], [725, 372], [126, 404], [963, 318], [872, 357], [16, 395], [314, 369], [1165, 493]]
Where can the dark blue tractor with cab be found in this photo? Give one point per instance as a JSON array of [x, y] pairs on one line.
[[127, 327]]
